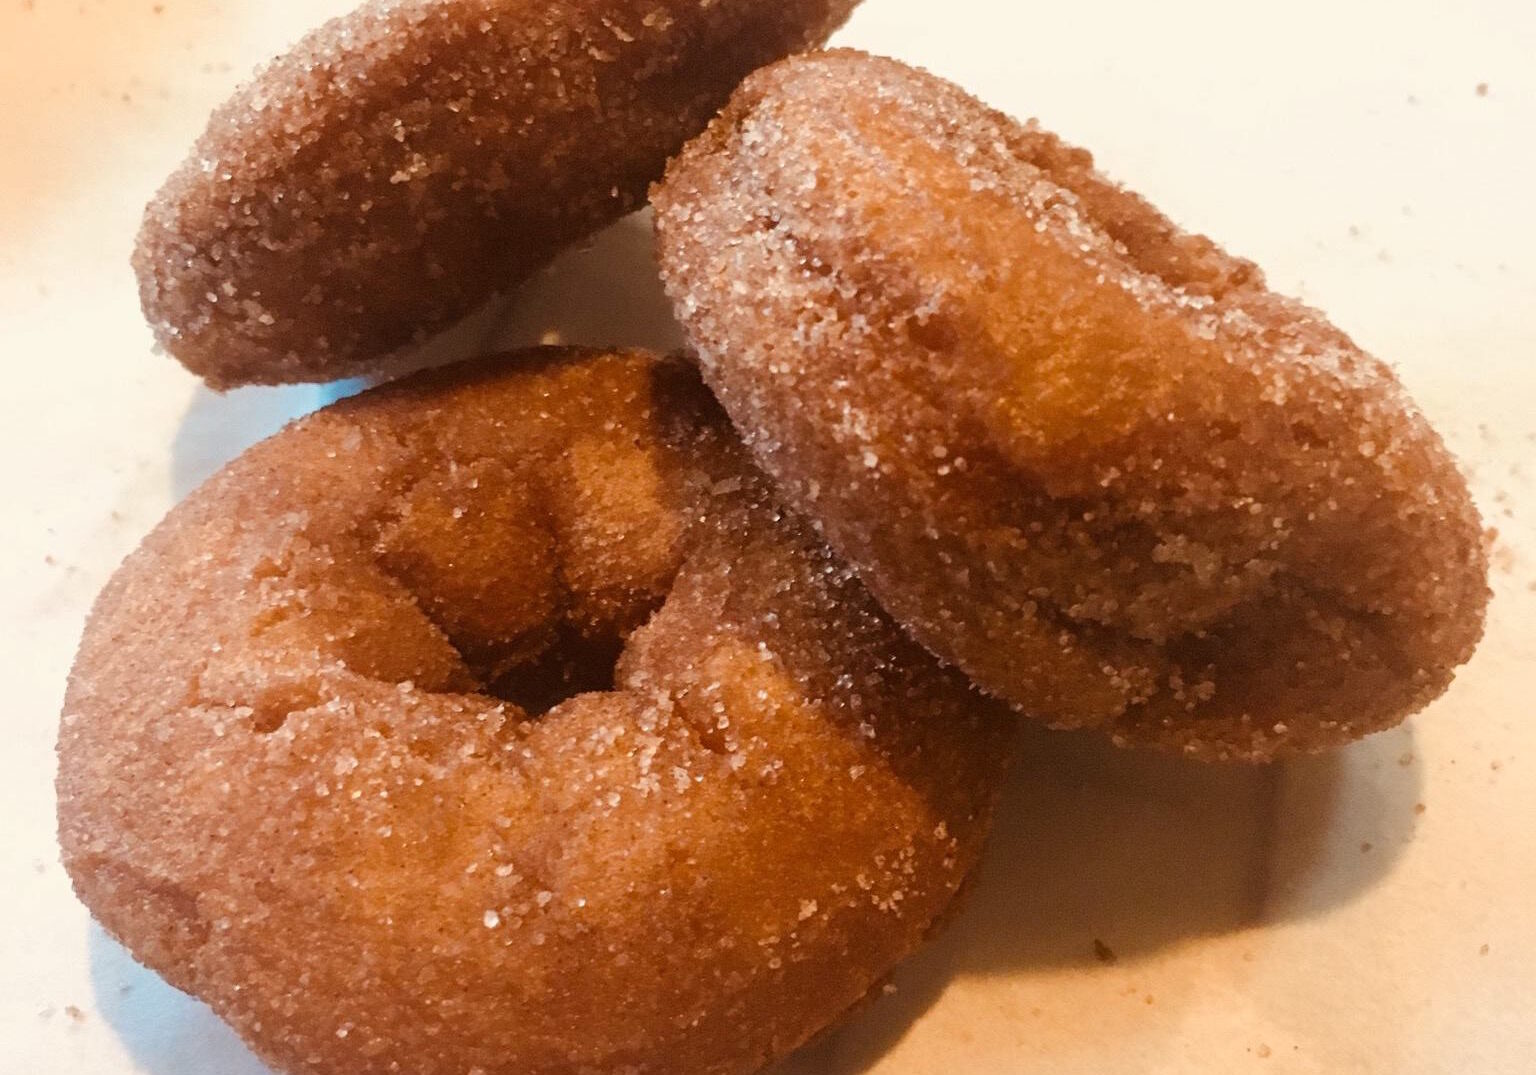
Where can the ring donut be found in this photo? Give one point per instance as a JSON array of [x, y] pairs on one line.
[[1086, 456], [714, 797], [403, 163]]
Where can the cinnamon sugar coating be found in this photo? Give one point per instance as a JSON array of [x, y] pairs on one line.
[[1086, 456], [284, 784], [404, 162]]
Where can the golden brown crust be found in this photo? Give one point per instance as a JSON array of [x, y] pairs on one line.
[[281, 786], [1088, 457], [404, 162]]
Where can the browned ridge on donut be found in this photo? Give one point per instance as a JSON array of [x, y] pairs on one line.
[[1088, 457], [498, 721], [405, 162]]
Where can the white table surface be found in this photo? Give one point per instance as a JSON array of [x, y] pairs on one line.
[[1365, 912]]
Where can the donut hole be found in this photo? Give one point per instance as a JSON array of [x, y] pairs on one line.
[[472, 546], [537, 577], [576, 662]]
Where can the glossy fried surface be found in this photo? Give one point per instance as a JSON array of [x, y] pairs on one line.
[[403, 163], [1088, 457], [284, 785]]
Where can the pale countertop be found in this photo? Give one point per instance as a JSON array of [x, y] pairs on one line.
[[1365, 912]]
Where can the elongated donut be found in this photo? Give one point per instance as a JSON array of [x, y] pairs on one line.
[[407, 161], [714, 797], [1084, 455]]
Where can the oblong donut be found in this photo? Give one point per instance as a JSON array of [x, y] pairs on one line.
[[1086, 456], [283, 785], [404, 162]]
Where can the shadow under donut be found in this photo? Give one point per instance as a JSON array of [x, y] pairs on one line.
[[164, 1030], [1107, 857]]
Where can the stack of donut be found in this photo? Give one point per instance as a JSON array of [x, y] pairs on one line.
[[508, 719]]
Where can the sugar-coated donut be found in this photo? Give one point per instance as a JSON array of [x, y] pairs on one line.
[[405, 162], [1086, 456], [286, 785]]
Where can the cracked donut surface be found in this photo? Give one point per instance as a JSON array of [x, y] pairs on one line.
[[405, 162], [1086, 456], [498, 720]]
